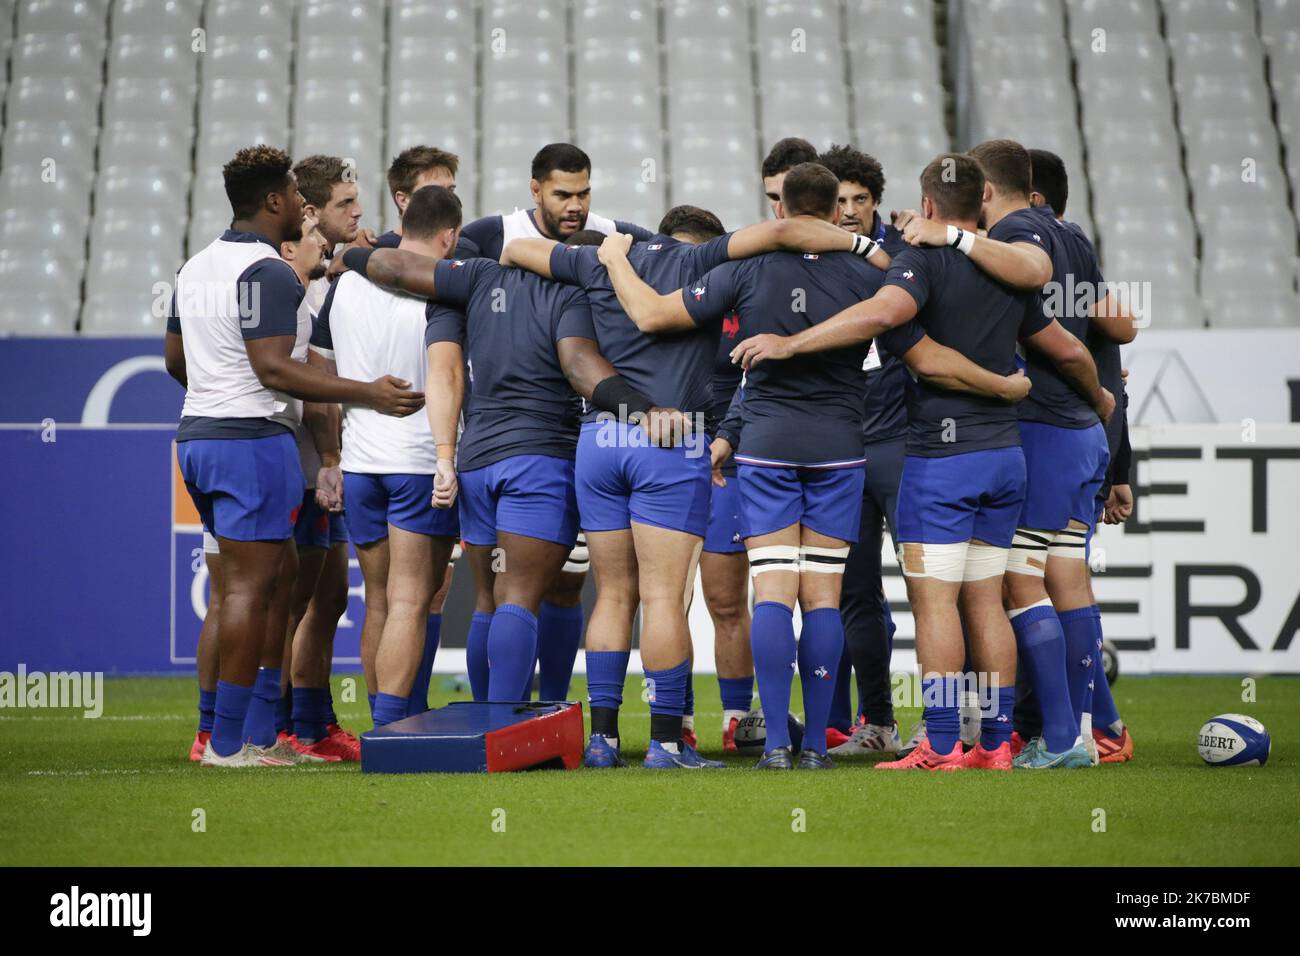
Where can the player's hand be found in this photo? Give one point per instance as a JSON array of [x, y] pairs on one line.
[[1105, 405], [925, 232], [666, 427], [392, 396], [445, 485], [329, 488], [1015, 386], [761, 348], [1123, 374], [365, 239], [719, 451], [1119, 504], [615, 246], [901, 217]]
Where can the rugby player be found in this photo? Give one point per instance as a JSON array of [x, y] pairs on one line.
[[231, 333], [410, 170], [800, 453], [399, 480], [868, 623], [645, 509], [530, 345], [963, 481], [784, 155]]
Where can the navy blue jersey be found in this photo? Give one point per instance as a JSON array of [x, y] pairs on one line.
[[508, 322], [389, 240], [673, 370], [885, 413], [963, 308], [806, 410], [1053, 400], [488, 233]]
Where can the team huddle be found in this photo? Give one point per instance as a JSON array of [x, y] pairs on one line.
[[551, 391]]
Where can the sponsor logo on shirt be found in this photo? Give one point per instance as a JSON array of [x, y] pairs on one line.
[[909, 276], [698, 292], [811, 255], [457, 263], [655, 248]]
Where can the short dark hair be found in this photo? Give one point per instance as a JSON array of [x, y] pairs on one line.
[[693, 221], [253, 174], [810, 189], [854, 166], [1050, 179], [1006, 165], [954, 182], [409, 164], [565, 157], [431, 210], [317, 176], [788, 153], [585, 237]]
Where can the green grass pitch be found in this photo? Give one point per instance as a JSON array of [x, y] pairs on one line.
[[119, 791]]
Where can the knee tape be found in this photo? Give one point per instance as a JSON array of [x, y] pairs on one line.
[[1029, 552], [775, 557], [579, 559], [210, 544], [1072, 543], [822, 560], [943, 562]]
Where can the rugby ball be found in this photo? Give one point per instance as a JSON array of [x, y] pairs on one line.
[[1233, 740], [1110, 661], [751, 732]]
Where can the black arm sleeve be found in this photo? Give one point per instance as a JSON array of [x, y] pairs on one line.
[[1123, 463]]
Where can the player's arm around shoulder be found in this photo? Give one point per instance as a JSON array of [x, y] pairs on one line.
[[398, 270], [444, 391], [1075, 363], [1021, 265], [949, 369], [648, 310], [531, 254]]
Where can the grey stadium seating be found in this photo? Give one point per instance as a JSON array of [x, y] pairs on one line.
[[1179, 121]]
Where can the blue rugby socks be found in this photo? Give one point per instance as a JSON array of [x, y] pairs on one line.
[[606, 675], [1040, 643], [207, 709], [511, 648], [1105, 715], [1082, 632], [941, 697], [841, 708], [311, 713], [259, 723], [737, 692], [821, 650], [996, 730], [771, 637], [559, 632], [389, 707], [476, 655], [419, 696], [230, 710], [667, 700]]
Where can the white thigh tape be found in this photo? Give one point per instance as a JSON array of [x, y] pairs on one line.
[[1072, 543], [210, 544], [455, 553], [579, 559], [984, 561], [943, 562], [774, 557], [822, 560], [1029, 552]]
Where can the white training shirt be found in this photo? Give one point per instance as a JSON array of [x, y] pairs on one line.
[[370, 332]]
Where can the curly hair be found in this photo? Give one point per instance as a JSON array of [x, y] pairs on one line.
[[254, 173], [854, 166]]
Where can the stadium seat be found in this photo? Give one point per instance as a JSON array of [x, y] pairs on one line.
[[615, 20], [1266, 227], [68, 194], [1192, 16], [1015, 18], [450, 20], [341, 18], [787, 105], [621, 60], [730, 145], [1118, 18], [603, 101], [826, 135], [247, 58], [507, 103], [708, 58], [27, 314], [1126, 54], [230, 100], [271, 19], [359, 101], [152, 55], [726, 190], [218, 142], [53, 99], [799, 41], [33, 141], [1010, 56], [538, 59], [1171, 230], [59, 55], [38, 227], [360, 142], [1221, 97], [911, 58], [523, 24], [86, 18], [150, 100], [724, 20], [1248, 275], [1277, 17], [324, 56], [144, 143], [425, 61], [117, 313], [1134, 98], [156, 188], [1231, 139], [1230, 53], [152, 230], [128, 271], [154, 18], [890, 18], [41, 272]]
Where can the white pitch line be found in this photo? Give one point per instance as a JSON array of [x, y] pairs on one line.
[[108, 771]]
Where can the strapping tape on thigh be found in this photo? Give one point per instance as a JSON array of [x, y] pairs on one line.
[[774, 557], [984, 561], [943, 562], [813, 560], [1072, 543], [1029, 552], [579, 558]]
